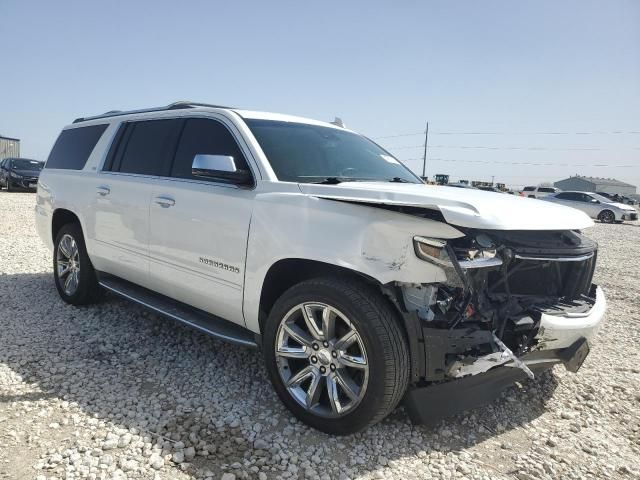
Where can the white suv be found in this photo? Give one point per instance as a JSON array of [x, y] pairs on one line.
[[538, 192], [362, 285]]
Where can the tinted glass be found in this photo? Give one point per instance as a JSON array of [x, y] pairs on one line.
[[546, 190], [73, 147], [300, 152], [203, 136], [529, 189], [150, 146], [24, 164]]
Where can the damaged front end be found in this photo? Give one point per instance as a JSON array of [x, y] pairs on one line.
[[493, 311]]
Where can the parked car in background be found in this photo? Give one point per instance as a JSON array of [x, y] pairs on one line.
[[538, 192], [614, 197], [595, 205], [362, 285], [20, 173]]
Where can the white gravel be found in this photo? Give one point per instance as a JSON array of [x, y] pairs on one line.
[[112, 391]]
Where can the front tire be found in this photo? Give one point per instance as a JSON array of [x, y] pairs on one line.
[[606, 216], [336, 354], [73, 272]]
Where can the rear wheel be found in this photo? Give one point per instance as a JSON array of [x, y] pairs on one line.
[[336, 354], [74, 275], [606, 216]]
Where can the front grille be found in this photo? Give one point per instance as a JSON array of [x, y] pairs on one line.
[[558, 264], [547, 278]]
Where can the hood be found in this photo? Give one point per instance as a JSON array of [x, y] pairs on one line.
[[459, 206], [621, 206]]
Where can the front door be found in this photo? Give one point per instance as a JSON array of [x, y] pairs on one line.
[[199, 228]]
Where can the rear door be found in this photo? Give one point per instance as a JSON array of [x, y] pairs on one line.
[[141, 151], [199, 228]]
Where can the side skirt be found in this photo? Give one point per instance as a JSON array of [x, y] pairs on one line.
[[196, 318]]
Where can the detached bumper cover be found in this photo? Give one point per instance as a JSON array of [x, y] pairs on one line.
[[562, 339]]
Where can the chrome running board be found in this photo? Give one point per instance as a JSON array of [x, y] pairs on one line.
[[198, 319]]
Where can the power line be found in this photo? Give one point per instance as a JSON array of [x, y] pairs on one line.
[[484, 147], [610, 132], [548, 164]]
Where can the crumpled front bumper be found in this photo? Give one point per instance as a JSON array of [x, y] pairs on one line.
[[562, 331], [562, 339]]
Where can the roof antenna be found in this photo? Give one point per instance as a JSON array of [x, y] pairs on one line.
[[338, 122]]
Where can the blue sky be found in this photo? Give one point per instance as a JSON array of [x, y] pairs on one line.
[[513, 69]]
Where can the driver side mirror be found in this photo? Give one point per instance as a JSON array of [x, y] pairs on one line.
[[219, 167]]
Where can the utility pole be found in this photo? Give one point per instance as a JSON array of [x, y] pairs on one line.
[[424, 158]]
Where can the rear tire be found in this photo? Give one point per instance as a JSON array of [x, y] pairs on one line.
[[356, 385], [73, 272], [606, 216]]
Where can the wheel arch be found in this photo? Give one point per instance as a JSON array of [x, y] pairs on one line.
[[61, 217], [287, 272]]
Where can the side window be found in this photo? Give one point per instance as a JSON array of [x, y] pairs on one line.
[[564, 196], [205, 136], [147, 147], [546, 189], [73, 147]]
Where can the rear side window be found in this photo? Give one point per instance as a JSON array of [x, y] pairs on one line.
[[573, 196], [529, 189], [147, 147], [204, 136], [73, 147], [546, 189]]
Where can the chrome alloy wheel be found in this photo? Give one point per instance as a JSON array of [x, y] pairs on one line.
[[321, 359], [68, 264]]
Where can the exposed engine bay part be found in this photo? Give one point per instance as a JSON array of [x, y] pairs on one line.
[[488, 312]]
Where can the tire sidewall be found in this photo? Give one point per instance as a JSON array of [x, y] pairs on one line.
[[87, 274], [606, 213], [369, 406]]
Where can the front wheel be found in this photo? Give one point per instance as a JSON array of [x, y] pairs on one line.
[[606, 216], [336, 354]]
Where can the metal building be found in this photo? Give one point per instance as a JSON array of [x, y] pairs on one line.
[[9, 147], [595, 184]]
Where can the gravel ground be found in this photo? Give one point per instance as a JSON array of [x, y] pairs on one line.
[[112, 391]]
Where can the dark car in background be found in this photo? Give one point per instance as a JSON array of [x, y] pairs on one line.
[[20, 173]]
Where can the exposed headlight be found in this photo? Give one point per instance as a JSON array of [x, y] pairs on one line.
[[15, 175], [432, 250], [435, 251]]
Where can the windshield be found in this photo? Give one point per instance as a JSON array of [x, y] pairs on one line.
[[24, 164], [600, 197], [306, 153]]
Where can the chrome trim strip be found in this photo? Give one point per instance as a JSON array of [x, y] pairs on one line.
[[556, 259], [179, 319], [480, 263]]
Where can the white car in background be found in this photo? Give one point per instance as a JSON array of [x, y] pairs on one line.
[[538, 192], [595, 205]]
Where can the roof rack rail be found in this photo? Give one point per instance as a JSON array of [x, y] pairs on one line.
[[171, 106]]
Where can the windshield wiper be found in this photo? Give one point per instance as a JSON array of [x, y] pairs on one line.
[[329, 181]]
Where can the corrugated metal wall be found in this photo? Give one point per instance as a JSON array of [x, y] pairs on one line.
[[9, 147]]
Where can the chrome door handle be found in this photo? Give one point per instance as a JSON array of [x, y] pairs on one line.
[[103, 190], [165, 202]]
